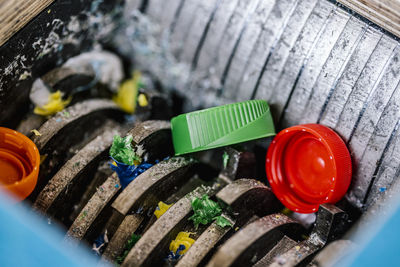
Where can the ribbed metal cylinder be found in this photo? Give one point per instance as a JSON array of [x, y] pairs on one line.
[[313, 61]]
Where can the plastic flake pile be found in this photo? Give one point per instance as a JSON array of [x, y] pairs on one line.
[[122, 151], [205, 211], [126, 163]]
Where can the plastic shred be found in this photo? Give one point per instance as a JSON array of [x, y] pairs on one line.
[[225, 159], [36, 132], [66, 114], [43, 158], [127, 93], [127, 173], [223, 222], [99, 243], [142, 100], [180, 245], [286, 211], [55, 104], [205, 210], [129, 245], [172, 256], [122, 151], [161, 209]]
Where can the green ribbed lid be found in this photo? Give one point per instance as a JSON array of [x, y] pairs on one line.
[[221, 126]]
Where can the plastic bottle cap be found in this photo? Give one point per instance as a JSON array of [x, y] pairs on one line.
[[11, 168], [19, 163], [308, 165], [221, 126]]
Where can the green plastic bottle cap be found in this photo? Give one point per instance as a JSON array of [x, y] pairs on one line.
[[221, 126]]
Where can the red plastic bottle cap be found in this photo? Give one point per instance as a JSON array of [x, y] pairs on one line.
[[308, 165], [19, 163]]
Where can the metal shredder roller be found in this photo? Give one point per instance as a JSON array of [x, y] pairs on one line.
[[335, 63]]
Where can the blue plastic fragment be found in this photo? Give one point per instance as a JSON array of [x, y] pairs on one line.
[[140, 210], [382, 189], [176, 256], [98, 244], [129, 118], [127, 173]]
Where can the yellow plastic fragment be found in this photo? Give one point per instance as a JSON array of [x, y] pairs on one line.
[[36, 132], [305, 237], [181, 239], [297, 248], [142, 100], [43, 158], [162, 208], [54, 105], [287, 211], [127, 93]]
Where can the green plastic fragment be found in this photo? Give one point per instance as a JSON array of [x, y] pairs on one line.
[[225, 159], [122, 151], [141, 84], [129, 245], [223, 222], [205, 210], [66, 114]]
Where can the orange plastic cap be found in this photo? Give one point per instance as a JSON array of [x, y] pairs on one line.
[[19, 163]]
